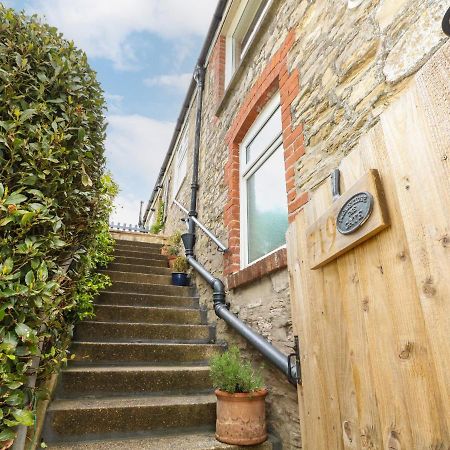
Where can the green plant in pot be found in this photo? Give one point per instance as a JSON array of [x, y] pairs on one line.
[[240, 392], [179, 271], [172, 248]]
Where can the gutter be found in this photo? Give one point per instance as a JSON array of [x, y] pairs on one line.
[[216, 20]]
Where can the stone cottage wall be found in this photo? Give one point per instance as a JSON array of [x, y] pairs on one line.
[[351, 64]]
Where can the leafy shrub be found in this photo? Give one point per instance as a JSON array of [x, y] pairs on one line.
[[231, 374], [159, 223], [55, 199], [180, 264], [173, 246]]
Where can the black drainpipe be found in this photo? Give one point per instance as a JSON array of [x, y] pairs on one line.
[[199, 77], [279, 359]]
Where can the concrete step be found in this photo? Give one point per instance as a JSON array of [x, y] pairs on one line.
[[116, 313], [152, 288], [88, 417], [194, 440], [121, 380], [134, 277], [140, 261], [137, 299], [96, 331], [138, 244], [137, 268], [146, 352], [135, 248], [139, 254]]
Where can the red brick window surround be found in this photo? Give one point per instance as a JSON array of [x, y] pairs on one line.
[[217, 72], [275, 77]]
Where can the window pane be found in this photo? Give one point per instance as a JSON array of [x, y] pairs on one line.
[[267, 207], [253, 27], [268, 133], [245, 28]]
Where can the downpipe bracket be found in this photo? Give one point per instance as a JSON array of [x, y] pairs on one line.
[[295, 376]]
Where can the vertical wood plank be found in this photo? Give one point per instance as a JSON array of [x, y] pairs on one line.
[[355, 307], [331, 334], [293, 236], [410, 357], [422, 183], [314, 430]]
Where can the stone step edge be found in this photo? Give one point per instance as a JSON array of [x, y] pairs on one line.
[[135, 368], [148, 251], [109, 271], [165, 343], [150, 324], [146, 261], [129, 402], [192, 438], [194, 297], [149, 308], [138, 243], [156, 248], [135, 254], [140, 283], [134, 266]]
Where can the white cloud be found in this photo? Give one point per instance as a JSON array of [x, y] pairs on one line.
[[135, 148], [137, 143], [178, 81], [103, 27], [126, 209], [114, 102]]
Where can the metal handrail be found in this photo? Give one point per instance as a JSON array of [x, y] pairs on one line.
[[223, 248]]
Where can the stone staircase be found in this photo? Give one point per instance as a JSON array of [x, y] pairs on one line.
[[140, 378]]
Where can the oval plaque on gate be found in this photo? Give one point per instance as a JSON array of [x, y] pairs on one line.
[[354, 212]]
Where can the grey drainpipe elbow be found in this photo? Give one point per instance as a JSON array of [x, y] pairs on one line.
[[277, 358]]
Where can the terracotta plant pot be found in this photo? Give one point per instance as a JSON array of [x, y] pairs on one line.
[[241, 418], [171, 259], [6, 444]]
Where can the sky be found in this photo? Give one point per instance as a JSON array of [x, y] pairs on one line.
[[144, 53]]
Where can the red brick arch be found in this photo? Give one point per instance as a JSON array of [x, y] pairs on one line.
[[274, 77]]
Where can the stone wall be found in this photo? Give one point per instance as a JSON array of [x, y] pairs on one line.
[[351, 65]]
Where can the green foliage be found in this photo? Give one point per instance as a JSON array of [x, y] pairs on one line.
[[180, 264], [159, 223], [231, 374], [55, 201], [173, 246]]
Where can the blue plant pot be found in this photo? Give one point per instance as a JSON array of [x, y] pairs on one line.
[[180, 279]]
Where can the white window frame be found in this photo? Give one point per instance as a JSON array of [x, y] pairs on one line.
[[237, 25], [180, 162], [246, 170]]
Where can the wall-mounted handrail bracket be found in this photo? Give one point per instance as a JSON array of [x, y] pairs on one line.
[[294, 361], [336, 184], [221, 247]]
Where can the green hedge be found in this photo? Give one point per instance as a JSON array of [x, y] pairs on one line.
[[55, 199]]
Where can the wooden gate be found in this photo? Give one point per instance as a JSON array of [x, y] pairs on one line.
[[374, 323]]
